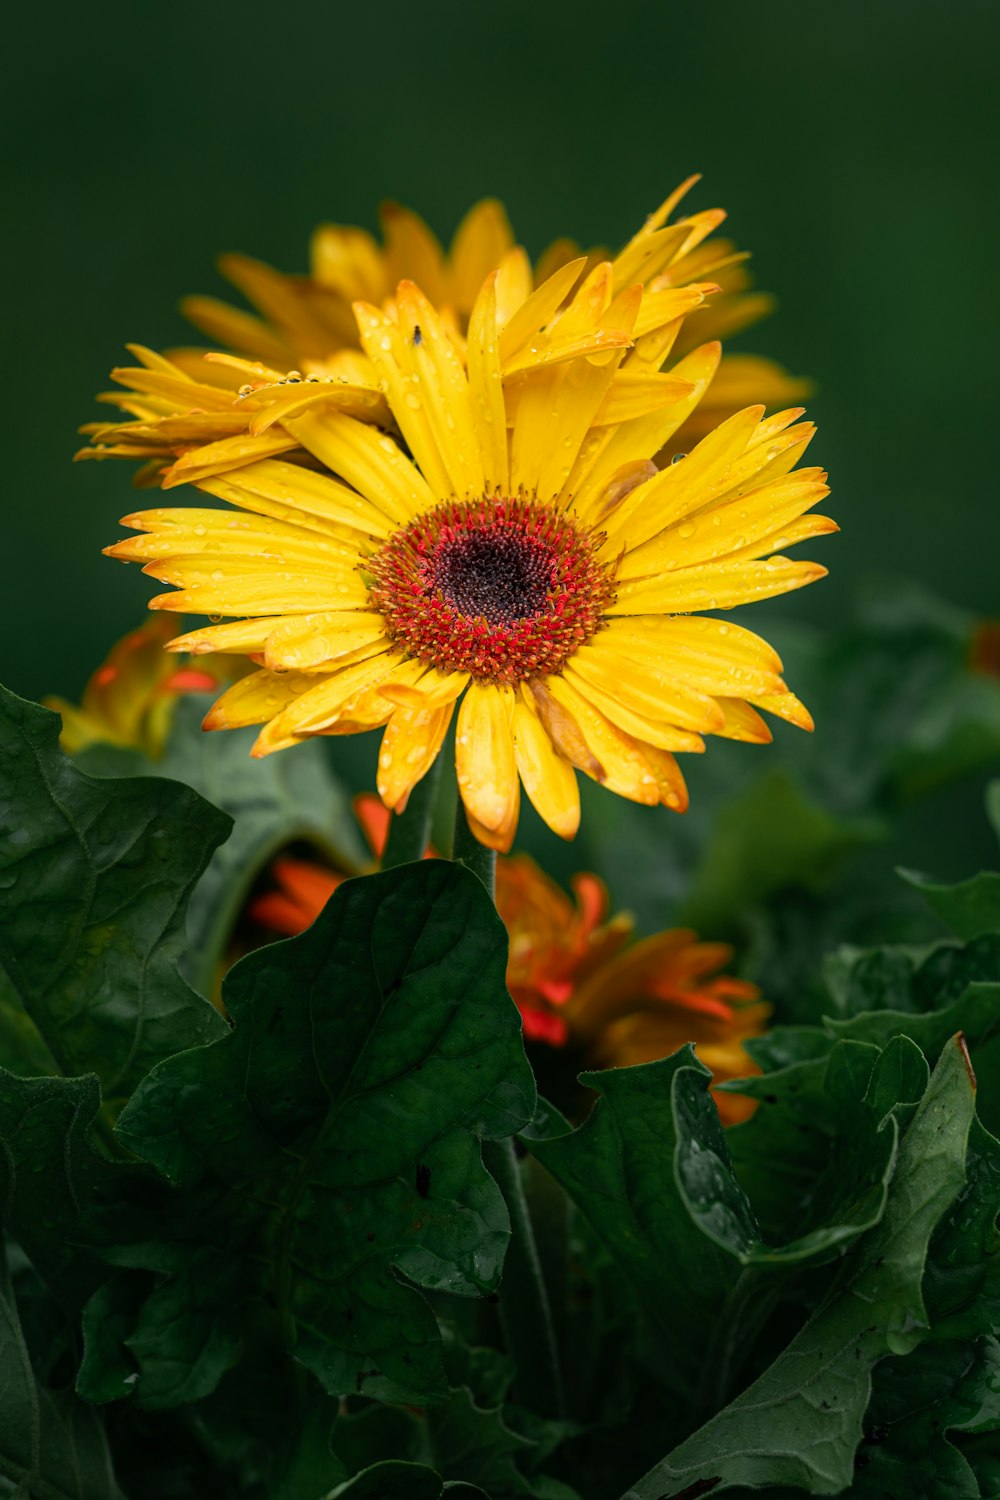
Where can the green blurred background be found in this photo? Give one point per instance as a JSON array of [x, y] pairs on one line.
[[853, 145]]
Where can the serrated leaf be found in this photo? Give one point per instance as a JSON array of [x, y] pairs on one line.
[[52, 1446], [475, 1445], [331, 1142], [976, 1013], [800, 1422], [94, 877], [273, 802]]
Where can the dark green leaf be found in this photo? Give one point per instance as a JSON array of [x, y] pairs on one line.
[[273, 802], [52, 1445], [392, 1480], [94, 878], [51, 1177], [962, 1280], [330, 1142], [916, 1403], [618, 1169], [970, 908], [475, 1445], [800, 1422], [976, 1013]]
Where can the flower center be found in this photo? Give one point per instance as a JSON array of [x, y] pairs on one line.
[[503, 588]]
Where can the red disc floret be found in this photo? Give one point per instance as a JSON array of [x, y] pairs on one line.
[[504, 588]]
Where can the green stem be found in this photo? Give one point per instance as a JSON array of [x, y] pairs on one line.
[[468, 851], [749, 1305], [410, 830], [525, 1314]]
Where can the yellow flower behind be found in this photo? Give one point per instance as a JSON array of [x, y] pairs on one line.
[[509, 543], [194, 414]]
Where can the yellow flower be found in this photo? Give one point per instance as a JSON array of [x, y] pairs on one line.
[[130, 699], [507, 542], [195, 414]]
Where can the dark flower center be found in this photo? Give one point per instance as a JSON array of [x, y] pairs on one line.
[[503, 588]]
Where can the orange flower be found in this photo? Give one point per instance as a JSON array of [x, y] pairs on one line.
[[984, 648], [130, 699], [576, 983]]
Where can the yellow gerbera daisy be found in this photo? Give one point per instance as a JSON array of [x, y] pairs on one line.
[[194, 414], [513, 547]]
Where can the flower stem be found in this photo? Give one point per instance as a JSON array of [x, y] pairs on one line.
[[468, 851], [525, 1313], [410, 830]]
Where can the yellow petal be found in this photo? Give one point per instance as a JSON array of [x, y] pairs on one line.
[[549, 781], [710, 656], [239, 636], [347, 260], [639, 395], [486, 387], [221, 457], [539, 309], [441, 386], [714, 586], [304, 642], [254, 699], [484, 760], [743, 527], [327, 699], [682, 487], [642, 438], [366, 459], [651, 731], [214, 589], [742, 723], [514, 284], [300, 496], [786, 706], [413, 251], [647, 687], [433, 689], [628, 768], [410, 744], [481, 241]]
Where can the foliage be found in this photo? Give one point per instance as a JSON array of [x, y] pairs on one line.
[[320, 1238]]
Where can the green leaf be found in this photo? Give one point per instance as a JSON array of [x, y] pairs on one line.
[[475, 1445], [839, 1150], [617, 1169], [329, 1145], [970, 908], [392, 1480], [52, 1446], [801, 1421], [917, 1403], [94, 877], [962, 1279], [976, 1013], [50, 1176], [274, 802]]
